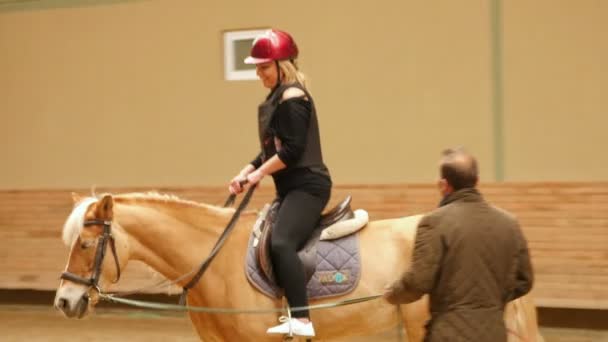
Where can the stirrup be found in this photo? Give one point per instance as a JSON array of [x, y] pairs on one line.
[[282, 319]]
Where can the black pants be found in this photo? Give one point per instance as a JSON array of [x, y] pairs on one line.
[[298, 216]]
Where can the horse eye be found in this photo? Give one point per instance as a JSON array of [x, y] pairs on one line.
[[85, 244]]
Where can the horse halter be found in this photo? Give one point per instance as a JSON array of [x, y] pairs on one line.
[[99, 255]]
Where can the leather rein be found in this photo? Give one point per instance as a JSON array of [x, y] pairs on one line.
[[220, 241]]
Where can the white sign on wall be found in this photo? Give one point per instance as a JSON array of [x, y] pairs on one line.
[[237, 45]]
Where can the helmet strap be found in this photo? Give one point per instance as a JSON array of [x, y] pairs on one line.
[[278, 73]]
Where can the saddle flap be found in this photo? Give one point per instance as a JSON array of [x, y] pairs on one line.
[[308, 253], [263, 247]]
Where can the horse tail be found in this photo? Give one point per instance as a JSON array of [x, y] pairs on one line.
[[525, 326]]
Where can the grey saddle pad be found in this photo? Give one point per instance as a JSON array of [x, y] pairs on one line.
[[337, 272]]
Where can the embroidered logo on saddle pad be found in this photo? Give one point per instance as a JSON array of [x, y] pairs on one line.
[[331, 277], [333, 266]]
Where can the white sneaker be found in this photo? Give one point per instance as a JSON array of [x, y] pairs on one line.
[[292, 327]]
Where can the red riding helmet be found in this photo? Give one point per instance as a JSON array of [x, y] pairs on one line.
[[272, 45]]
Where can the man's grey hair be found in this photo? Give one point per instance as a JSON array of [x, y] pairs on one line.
[[459, 168]]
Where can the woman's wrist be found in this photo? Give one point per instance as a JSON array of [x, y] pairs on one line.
[[247, 170], [261, 171]]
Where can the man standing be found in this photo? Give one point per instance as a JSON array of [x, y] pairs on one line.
[[469, 256]]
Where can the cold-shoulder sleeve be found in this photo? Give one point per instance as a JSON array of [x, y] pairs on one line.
[[257, 161], [291, 127]]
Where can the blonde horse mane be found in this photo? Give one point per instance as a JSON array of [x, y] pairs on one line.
[[169, 202], [74, 223], [156, 197]]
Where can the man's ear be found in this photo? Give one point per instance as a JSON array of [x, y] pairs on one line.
[[444, 187]]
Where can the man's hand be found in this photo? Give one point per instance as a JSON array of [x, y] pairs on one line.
[[389, 294]]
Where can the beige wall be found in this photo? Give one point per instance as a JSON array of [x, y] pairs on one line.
[[556, 89], [132, 93]]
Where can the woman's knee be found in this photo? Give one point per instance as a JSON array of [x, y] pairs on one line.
[[281, 247]]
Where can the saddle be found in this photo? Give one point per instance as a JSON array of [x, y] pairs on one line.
[[308, 253]]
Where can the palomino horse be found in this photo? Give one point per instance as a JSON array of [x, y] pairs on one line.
[[173, 236]]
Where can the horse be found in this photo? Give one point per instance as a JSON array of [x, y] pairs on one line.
[[173, 235]]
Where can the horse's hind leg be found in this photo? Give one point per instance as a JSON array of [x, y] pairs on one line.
[[414, 316]]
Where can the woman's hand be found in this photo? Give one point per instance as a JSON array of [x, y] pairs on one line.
[[236, 184], [255, 177]]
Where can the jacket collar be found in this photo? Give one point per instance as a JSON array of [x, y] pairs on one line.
[[462, 195]]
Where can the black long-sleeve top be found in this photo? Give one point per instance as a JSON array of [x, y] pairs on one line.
[[289, 125]]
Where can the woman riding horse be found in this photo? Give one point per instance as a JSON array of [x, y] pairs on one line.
[[291, 154]]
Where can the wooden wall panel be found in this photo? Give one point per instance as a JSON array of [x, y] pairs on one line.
[[566, 225]]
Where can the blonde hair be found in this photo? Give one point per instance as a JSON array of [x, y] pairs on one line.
[[291, 74]]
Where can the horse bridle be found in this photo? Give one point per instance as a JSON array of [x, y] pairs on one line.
[[93, 282], [100, 253]]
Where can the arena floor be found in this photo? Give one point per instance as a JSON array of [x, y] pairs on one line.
[[42, 323]]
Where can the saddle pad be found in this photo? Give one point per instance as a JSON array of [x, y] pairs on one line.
[[337, 272]]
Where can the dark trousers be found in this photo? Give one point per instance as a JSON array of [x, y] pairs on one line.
[[298, 216]]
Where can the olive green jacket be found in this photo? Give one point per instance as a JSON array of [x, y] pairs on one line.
[[471, 258]]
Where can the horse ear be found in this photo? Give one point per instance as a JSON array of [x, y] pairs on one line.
[[76, 198], [105, 208]]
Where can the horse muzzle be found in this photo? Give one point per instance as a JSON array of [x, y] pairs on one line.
[[72, 302]]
